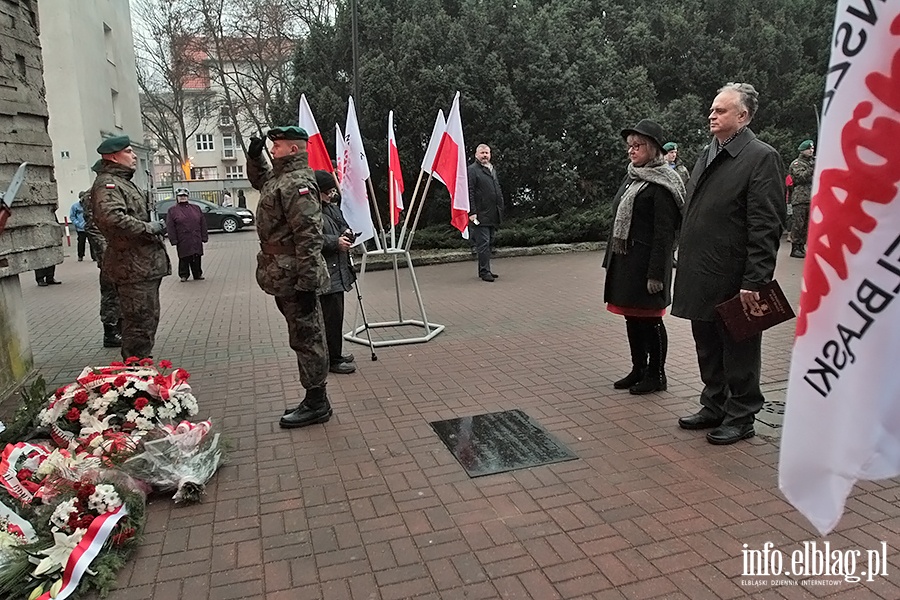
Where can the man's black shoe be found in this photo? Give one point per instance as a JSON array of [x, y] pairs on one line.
[[347, 358], [314, 409], [495, 276], [54, 282], [489, 278], [729, 434], [43, 283], [342, 368], [699, 421], [111, 336]]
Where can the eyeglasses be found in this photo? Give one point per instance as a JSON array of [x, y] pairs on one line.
[[332, 193], [635, 147]]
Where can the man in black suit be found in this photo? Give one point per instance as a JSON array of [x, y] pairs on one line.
[[485, 208], [729, 241]]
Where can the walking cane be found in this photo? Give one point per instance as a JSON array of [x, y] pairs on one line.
[[365, 322]]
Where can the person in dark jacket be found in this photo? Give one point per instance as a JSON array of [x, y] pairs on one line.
[[186, 227], [485, 208], [729, 242], [638, 259], [337, 239]]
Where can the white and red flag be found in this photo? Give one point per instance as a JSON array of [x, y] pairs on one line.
[[395, 175], [450, 169], [339, 146], [318, 154], [440, 126], [355, 198], [842, 421]]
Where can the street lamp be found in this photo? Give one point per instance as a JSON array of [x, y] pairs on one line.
[[354, 44]]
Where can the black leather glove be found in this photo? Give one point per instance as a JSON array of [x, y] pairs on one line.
[[307, 302], [157, 228], [255, 149]]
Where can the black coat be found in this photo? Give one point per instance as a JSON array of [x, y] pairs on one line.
[[732, 226], [339, 268], [485, 197], [654, 221]]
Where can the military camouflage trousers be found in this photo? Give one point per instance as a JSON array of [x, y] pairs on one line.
[[139, 305], [306, 335], [800, 224], [109, 302]]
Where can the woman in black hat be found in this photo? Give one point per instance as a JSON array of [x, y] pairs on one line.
[[638, 259]]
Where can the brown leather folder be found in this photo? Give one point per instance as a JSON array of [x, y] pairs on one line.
[[773, 309]]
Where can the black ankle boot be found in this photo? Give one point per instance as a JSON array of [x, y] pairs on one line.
[[658, 344], [111, 336], [638, 345], [797, 251], [314, 409]]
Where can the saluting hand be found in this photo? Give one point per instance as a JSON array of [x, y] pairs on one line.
[[255, 149]]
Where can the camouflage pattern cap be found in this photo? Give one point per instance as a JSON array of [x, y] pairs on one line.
[[805, 145], [113, 144], [669, 146], [287, 133]]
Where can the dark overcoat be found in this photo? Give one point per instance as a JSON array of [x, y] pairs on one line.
[[339, 268], [485, 196], [654, 221], [186, 227], [732, 226]]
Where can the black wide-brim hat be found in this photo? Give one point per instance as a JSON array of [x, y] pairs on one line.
[[647, 128]]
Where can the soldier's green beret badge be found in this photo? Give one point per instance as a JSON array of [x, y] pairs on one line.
[[287, 133], [113, 144]]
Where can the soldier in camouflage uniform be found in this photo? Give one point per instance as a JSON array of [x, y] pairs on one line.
[[290, 264], [135, 259], [801, 171], [109, 299]]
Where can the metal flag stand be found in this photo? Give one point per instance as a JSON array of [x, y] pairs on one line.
[[397, 251]]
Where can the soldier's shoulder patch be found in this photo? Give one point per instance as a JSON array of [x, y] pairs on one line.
[[304, 191]]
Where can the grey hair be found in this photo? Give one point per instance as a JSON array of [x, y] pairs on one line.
[[747, 95], [480, 146]]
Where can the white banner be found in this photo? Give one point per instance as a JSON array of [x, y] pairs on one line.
[[842, 422]]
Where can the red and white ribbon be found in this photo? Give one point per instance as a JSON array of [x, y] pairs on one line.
[[8, 471], [86, 551]]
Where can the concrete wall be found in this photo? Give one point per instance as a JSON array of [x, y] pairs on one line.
[[92, 90], [32, 238]]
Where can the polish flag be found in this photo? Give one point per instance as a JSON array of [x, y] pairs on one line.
[[339, 152], [355, 198], [440, 126], [842, 419], [450, 168], [395, 176], [318, 154]]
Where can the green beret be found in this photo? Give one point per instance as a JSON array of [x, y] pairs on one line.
[[670, 146], [805, 145], [287, 133], [113, 144]]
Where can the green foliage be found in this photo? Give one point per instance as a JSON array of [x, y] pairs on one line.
[[23, 423], [550, 84]]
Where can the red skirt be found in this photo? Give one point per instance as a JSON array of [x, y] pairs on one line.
[[635, 312]]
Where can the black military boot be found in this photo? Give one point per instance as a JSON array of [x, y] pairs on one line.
[[797, 251], [111, 336], [314, 409], [658, 345], [638, 355]]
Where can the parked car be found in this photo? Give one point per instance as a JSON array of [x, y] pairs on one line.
[[217, 217]]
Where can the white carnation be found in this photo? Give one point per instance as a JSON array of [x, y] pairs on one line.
[[60, 516], [104, 499]]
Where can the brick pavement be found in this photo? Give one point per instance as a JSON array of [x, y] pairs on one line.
[[372, 506]]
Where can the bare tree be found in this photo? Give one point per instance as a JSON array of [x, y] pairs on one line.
[[174, 100]]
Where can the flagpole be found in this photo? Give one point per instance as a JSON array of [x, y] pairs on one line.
[[354, 43], [377, 213], [409, 209], [412, 229]]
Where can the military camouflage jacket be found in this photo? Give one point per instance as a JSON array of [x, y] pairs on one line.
[[90, 227], [120, 212], [289, 225], [802, 170]]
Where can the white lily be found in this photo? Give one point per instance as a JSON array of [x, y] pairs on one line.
[[57, 556], [93, 425]]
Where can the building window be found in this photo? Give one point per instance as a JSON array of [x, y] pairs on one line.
[[109, 43], [228, 146], [234, 172], [204, 173], [165, 178], [204, 142], [117, 114]]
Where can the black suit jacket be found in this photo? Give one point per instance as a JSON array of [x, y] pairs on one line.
[[731, 228], [485, 197]]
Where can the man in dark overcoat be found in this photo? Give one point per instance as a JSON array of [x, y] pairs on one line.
[[729, 241], [485, 208]]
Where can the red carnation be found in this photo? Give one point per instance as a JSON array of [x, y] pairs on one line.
[[183, 375], [84, 521], [165, 364], [146, 362], [123, 536], [74, 414], [120, 381], [160, 380], [131, 360], [85, 491], [105, 388], [81, 397], [24, 474], [60, 392], [140, 403]]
